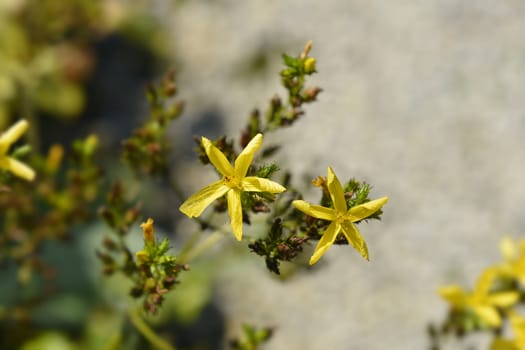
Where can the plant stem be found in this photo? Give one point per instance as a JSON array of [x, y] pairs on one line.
[[202, 247], [147, 332], [27, 111]]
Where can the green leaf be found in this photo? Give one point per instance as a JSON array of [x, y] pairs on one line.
[[290, 61]]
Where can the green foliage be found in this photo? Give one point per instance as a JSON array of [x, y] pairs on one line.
[[147, 150], [44, 63], [157, 274], [48, 210], [251, 338], [153, 270], [63, 196], [276, 248]]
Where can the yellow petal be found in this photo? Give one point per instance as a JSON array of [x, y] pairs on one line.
[[521, 245], [17, 168], [325, 242], [364, 210], [488, 314], [258, 184], [12, 134], [316, 211], [508, 248], [503, 344], [503, 299], [485, 280], [518, 325], [336, 191], [453, 294], [195, 205], [243, 161], [235, 212], [354, 238], [521, 278], [217, 158]]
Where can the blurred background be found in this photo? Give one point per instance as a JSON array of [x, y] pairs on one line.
[[421, 99]]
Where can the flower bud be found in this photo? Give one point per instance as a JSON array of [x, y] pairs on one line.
[[309, 65], [54, 157], [148, 232], [142, 257]]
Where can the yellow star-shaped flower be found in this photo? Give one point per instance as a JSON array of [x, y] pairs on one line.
[[518, 327], [483, 303], [341, 217], [234, 181], [13, 165], [514, 255]]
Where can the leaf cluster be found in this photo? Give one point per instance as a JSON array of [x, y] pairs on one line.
[[147, 150], [63, 194], [252, 338], [157, 274], [276, 247], [278, 113]]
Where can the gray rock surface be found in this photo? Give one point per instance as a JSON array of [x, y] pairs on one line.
[[423, 99]]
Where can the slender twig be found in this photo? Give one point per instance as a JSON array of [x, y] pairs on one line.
[[147, 332], [195, 251]]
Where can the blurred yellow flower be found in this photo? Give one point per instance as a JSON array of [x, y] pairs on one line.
[[483, 303], [514, 255], [148, 231], [341, 217], [517, 323], [13, 165], [232, 184]]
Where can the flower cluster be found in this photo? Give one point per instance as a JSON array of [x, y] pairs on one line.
[[46, 207], [157, 270], [147, 150], [234, 182], [60, 197], [495, 301]]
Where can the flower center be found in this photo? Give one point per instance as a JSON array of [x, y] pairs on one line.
[[340, 217], [232, 182]]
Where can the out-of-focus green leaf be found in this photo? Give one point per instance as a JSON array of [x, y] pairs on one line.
[[50, 341], [60, 98], [103, 330], [66, 309]]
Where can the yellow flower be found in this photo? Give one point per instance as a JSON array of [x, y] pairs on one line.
[[514, 255], [148, 232], [11, 164], [234, 181], [518, 327], [483, 303], [341, 217]]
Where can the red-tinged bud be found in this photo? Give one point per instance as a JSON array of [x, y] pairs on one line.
[[310, 94]]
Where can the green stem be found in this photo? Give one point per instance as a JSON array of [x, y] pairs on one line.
[[192, 253], [27, 111], [175, 187], [147, 332]]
